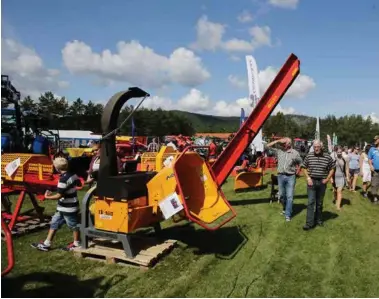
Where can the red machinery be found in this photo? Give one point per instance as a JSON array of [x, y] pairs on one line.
[[245, 135], [34, 175], [9, 242]]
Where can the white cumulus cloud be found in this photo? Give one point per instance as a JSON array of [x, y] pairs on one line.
[[292, 4], [198, 102], [235, 58], [374, 117], [245, 17], [302, 85], [136, 64], [210, 36], [27, 71], [237, 82]]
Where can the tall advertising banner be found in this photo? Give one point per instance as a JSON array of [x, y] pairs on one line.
[[330, 147], [254, 95], [317, 133]]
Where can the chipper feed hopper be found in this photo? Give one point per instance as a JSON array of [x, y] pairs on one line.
[[189, 187]]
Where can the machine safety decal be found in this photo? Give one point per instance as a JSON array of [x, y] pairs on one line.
[[106, 215], [171, 205], [11, 167]]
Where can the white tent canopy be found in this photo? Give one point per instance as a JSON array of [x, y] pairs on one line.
[[74, 134]]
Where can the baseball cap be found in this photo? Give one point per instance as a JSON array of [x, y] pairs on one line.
[[376, 137]]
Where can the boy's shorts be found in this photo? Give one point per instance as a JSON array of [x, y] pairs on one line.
[[60, 218]]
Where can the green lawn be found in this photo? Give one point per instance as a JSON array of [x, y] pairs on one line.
[[257, 254]]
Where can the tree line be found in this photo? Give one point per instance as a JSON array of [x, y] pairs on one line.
[[351, 130], [50, 112]]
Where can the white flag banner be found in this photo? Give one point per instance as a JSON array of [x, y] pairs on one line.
[[330, 147], [318, 134], [254, 95]]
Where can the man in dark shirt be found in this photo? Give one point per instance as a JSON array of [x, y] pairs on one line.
[[318, 169]]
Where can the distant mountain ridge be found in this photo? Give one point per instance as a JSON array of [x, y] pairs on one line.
[[227, 124]]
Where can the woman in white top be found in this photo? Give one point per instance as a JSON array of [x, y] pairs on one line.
[[365, 170]]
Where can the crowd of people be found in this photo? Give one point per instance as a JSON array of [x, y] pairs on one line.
[[341, 168]]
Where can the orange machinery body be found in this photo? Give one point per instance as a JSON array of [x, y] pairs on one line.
[[186, 186], [189, 181], [154, 161], [248, 177], [253, 178]]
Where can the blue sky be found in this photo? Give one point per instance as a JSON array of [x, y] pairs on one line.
[[336, 41]]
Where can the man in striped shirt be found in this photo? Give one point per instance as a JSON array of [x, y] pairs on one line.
[[67, 208], [153, 146], [318, 169], [288, 159]]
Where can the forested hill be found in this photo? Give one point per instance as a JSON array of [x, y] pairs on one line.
[[210, 123], [51, 112]]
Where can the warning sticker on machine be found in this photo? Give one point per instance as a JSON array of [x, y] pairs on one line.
[[104, 216], [11, 167], [171, 205]]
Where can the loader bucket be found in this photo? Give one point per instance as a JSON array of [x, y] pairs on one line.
[[249, 179], [204, 202]]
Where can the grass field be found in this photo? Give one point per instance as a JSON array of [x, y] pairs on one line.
[[257, 254]]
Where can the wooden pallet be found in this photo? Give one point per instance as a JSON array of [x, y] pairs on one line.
[[149, 251], [28, 226]]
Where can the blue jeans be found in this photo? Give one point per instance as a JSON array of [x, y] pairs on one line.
[[60, 218], [316, 195], [286, 190]]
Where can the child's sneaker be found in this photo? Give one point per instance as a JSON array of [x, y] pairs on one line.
[[71, 247], [40, 246]]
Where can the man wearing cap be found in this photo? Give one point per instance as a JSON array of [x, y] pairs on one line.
[[373, 160]]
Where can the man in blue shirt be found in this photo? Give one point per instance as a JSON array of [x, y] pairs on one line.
[[373, 160]]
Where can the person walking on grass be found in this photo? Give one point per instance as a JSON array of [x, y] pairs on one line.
[[373, 160], [365, 170], [354, 168], [67, 208], [318, 169], [340, 177], [288, 159]]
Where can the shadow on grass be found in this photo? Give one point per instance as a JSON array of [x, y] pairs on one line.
[[263, 187], [326, 215], [225, 242], [346, 202], [55, 285], [254, 201], [297, 209]]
